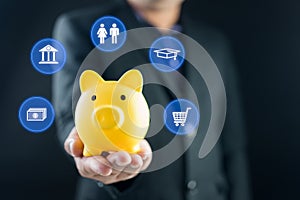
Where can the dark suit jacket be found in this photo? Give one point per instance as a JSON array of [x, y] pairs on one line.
[[219, 176]]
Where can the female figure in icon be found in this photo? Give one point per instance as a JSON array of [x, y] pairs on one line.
[[102, 33]]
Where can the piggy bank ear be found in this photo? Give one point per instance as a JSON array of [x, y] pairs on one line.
[[133, 79], [89, 79]]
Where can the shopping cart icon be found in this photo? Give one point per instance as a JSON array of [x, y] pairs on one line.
[[180, 117]]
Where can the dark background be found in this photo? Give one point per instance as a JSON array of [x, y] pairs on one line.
[[265, 36]]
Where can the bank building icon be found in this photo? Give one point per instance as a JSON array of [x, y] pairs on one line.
[[48, 55]]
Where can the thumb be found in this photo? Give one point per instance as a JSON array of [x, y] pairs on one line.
[[73, 145]]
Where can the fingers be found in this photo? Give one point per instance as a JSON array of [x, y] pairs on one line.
[[145, 153], [117, 166], [110, 167], [73, 145], [119, 159], [90, 167], [125, 166], [132, 169], [136, 162]]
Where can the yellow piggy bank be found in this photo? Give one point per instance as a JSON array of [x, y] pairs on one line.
[[111, 115]]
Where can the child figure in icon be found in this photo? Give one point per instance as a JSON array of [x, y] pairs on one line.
[[114, 32], [102, 33]]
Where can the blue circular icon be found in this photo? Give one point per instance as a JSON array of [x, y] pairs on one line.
[[167, 54], [181, 117], [48, 56], [36, 114], [108, 33]]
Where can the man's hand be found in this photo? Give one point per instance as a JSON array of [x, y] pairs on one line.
[[110, 168]]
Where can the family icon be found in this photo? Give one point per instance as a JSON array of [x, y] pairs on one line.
[[108, 33], [113, 32]]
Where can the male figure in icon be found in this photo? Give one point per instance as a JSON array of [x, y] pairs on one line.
[[102, 33], [114, 32]]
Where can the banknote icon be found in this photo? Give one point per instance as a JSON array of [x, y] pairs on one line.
[[36, 114]]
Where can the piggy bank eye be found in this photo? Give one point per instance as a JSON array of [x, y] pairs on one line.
[[93, 98], [123, 97]]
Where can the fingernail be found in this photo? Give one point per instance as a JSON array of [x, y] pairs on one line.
[[116, 160], [124, 160], [120, 163], [144, 156], [111, 158], [96, 169], [137, 162], [109, 171], [71, 146], [134, 166]]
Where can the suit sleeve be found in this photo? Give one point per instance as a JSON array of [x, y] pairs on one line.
[[234, 136], [62, 84], [77, 46]]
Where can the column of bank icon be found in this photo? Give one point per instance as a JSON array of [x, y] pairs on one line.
[[50, 51], [48, 56]]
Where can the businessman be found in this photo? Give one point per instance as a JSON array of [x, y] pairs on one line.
[[116, 175]]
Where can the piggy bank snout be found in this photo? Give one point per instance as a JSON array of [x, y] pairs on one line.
[[108, 117]]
